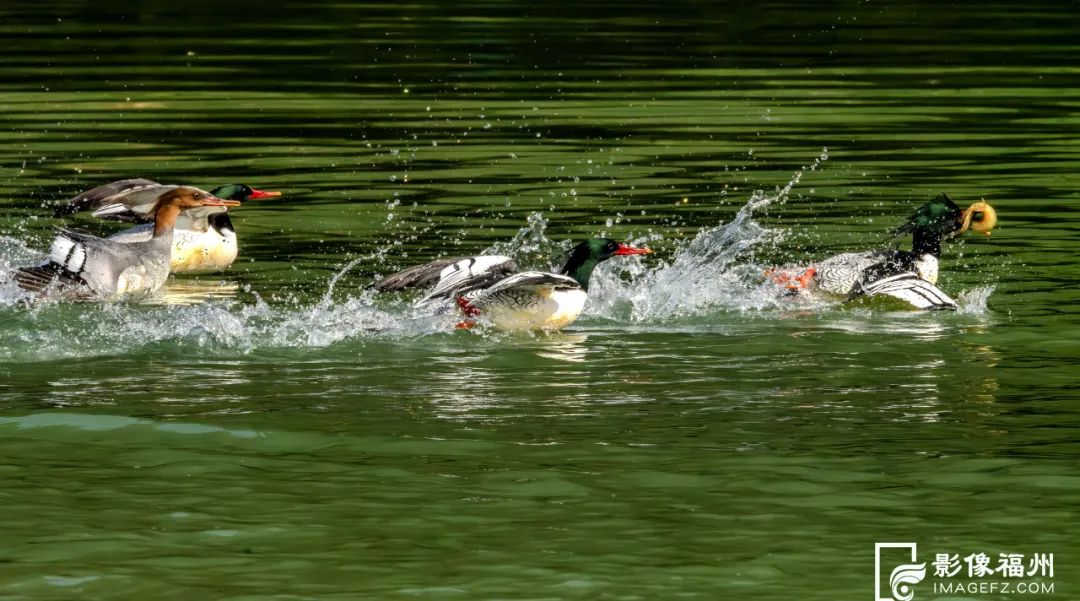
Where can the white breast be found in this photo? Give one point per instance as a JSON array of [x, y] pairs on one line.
[[927, 266], [544, 309], [193, 251], [200, 252]]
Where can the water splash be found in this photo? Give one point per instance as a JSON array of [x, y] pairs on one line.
[[14, 254], [61, 331], [975, 301], [716, 270], [193, 314], [531, 247], [328, 297]]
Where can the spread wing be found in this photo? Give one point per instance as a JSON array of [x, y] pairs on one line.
[[910, 288], [122, 200], [41, 277], [470, 274], [526, 281], [419, 276], [78, 259]]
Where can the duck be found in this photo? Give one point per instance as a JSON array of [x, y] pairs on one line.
[[84, 267], [204, 240], [907, 275], [491, 288]]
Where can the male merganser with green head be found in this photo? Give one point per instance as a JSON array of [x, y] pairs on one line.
[[491, 288], [909, 276], [204, 239], [85, 267]]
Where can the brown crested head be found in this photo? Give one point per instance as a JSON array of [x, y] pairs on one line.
[[186, 197], [171, 203]]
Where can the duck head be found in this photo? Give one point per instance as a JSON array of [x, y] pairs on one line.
[[171, 203], [218, 218], [242, 192], [186, 197], [586, 256], [940, 220]]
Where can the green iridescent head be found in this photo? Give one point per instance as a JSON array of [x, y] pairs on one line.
[[586, 256], [940, 220], [241, 192], [939, 217]]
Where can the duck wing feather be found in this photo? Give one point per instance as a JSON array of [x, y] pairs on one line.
[[910, 288], [122, 200], [527, 281]]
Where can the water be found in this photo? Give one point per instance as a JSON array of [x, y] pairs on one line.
[[279, 431]]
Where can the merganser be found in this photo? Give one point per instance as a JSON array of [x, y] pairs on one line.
[[85, 267], [204, 239], [910, 276], [490, 286]]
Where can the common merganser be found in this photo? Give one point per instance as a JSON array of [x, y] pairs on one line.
[[85, 267], [204, 239], [910, 276], [490, 286]]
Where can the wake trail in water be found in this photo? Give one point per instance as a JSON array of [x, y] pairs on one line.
[[715, 273], [188, 313], [59, 331]]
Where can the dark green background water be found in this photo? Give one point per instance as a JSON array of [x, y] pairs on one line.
[[689, 438]]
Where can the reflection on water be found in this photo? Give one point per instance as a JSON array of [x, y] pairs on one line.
[[566, 347], [195, 291]]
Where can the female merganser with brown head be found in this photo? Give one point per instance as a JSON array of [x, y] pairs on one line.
[[490, 286], [910, 276], [84, 267], [204, 239]]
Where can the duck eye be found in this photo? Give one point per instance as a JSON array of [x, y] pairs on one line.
[[198, 196]]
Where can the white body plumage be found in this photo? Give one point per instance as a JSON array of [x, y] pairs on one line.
[[547, 309], [193, 250], [927, 268], [113, 271]]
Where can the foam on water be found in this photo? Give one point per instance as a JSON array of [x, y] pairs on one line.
[[58, 331], [190, 313]]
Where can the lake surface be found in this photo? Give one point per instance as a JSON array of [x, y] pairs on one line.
[[261, 434]]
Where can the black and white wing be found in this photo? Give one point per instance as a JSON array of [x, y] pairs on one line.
[[40, 277], [419, 276], [521, 285], [474, 273], [64, 267], [845, 273], [912, 289], [122, 200], [80, 260], [839, 274]]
